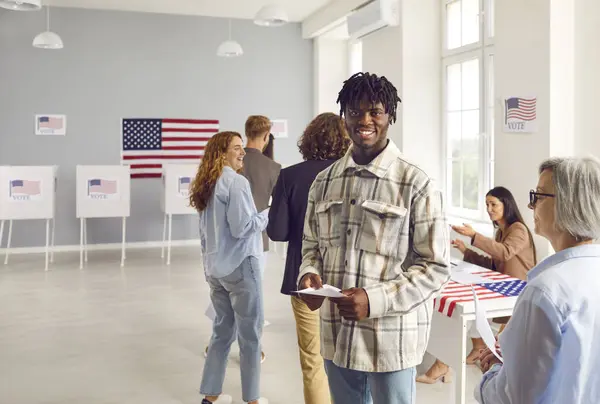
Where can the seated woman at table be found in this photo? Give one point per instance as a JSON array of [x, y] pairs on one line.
[[550, 346], [511, 252]]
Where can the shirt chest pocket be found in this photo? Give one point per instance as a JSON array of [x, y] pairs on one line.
[[329, 215], [381, 226]]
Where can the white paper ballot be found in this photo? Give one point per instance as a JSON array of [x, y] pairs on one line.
[[326, 291], [483, 327], [210, 312], [468, 278]]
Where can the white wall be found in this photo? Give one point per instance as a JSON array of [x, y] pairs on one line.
[[382, 55], [562, 78], [409, 56], [331, 69], [587, 81], [521, 69], [550, 50], [422, 86]]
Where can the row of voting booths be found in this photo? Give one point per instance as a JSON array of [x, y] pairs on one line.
[[29, 193]]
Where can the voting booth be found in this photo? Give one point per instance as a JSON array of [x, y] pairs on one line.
[[177, 179], [102, 192], [28, 193]]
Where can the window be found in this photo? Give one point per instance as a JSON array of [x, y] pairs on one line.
[[468, 112]]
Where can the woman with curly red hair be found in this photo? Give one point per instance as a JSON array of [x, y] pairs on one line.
[[230, 236]]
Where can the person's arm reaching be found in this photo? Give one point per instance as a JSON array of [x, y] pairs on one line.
[[241, 213], [430, 271], [515, 242], [529, 345], [279, 219], [478, 259]]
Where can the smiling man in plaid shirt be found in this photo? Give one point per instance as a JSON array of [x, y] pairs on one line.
[[375, 227]]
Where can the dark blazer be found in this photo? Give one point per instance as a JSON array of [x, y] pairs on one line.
[[286, 217], [262, 173]]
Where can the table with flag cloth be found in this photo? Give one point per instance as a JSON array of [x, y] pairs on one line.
[[454, 308]]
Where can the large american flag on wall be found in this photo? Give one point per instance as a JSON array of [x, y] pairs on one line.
[[150, 143]]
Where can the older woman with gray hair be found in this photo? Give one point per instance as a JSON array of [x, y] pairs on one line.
[[550, 347]]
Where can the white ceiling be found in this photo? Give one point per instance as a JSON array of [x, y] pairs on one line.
[[298, 10]]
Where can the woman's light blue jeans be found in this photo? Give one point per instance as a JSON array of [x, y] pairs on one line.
[[238, 302]]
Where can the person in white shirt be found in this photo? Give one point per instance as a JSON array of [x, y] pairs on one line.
[[550, 346]]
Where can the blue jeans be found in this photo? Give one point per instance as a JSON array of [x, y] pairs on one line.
[[355, 387], [238, 302]]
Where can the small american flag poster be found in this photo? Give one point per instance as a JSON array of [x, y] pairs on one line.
[[24, 190], [51, 125], [148, 143], [183, 186], [98, 188], [520, 114]]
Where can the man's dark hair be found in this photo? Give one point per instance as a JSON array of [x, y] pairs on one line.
[[375, 89]]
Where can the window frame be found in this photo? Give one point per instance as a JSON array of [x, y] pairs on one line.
[[480, 50]]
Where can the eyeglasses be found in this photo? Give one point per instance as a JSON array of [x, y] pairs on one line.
[[534, 197]]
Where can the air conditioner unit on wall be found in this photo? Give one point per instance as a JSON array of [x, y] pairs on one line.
[[372, 17]]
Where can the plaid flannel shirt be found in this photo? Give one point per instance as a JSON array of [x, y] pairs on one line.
[[380, 227]]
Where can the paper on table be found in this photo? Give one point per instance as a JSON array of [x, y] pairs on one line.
[[468, 278], [326, 291], [483, 327]]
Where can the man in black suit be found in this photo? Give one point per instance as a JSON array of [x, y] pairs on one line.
[[324, 141]]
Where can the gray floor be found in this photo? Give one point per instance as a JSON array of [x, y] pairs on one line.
[[106, 335]]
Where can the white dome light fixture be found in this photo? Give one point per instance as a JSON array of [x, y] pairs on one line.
[[271, 15], [21, 5], [48, 39], [230, 48]]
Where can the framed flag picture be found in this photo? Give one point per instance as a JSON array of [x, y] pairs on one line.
[[51, 125], [279, 128], [520, 114]]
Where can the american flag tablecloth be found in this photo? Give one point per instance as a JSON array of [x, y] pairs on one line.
[[503, 287]]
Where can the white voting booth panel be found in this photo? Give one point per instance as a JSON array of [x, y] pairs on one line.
[[177, 179], [27, 193], [102, 192]]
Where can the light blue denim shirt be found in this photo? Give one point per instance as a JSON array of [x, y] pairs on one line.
[[230, 227], [551, 346]]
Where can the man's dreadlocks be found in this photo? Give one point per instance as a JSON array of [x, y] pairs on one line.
[[375, 89]]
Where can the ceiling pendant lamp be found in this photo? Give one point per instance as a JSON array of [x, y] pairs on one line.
[[271, 15], [230, 48], [21, 5], [48, 39]]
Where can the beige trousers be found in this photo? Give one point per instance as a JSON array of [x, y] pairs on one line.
[[316, 387]]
